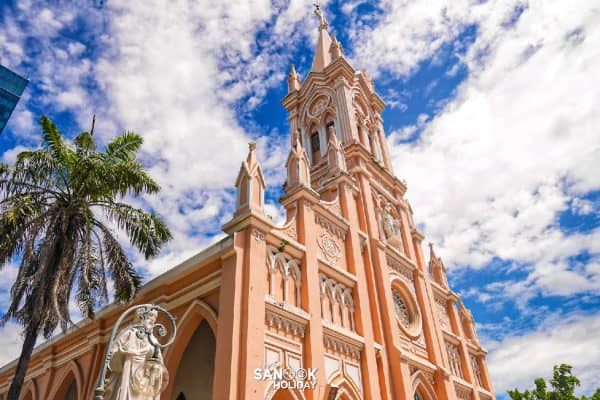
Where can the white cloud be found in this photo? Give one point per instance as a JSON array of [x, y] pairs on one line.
[[10, 155], [407, 32], [519, 359], [493, 170], [174, 74], [11, 341], [582, 206], [396, 100], [8, 274], [33, 43], [275, 212], [350, 6]]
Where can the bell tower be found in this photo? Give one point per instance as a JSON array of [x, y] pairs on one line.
[[335, 99], [343, 286]]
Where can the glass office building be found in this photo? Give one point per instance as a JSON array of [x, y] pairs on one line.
[[11, 89]]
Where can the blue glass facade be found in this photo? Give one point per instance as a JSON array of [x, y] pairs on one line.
[[11, 89]]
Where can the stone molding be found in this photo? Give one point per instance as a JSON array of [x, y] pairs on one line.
[[463, 392], [404, 271], [280, 322], [332, 227], [337, 342], [281, 317]]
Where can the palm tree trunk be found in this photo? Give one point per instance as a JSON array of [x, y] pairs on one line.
[[17, 383]]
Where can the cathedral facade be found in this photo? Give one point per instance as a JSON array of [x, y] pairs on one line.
[[342, 289]]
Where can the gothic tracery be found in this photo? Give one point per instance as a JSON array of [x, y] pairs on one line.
[[337, 303], [401, 309], [283, 277]]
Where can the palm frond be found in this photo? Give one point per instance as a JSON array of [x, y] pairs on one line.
[[84, 143], [125, 277], [54, 141], [124, 147], [145, 231], [20, 222]]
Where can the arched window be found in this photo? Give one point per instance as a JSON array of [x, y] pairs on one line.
[[376, 146], [454, 358], [315, 147]]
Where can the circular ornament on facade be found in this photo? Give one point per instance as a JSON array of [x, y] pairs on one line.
[[407, 312], [330, 248]]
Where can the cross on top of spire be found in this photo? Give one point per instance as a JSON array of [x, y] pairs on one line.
[[319, 13], [321, 58]]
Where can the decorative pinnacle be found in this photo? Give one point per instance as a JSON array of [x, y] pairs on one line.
[[296, 138], [251, 158], [293, 74], [335, 49], [432, 255]]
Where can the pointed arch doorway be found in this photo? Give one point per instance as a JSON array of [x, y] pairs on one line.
[[195, 373], [71, 393], [68, 389]]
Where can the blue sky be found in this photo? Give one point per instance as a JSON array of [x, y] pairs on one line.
[[492, 120]]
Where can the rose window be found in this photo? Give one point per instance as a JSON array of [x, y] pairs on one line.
[[401, 309], [407, 312]]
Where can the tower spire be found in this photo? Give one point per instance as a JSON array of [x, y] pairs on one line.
[[321, 58]]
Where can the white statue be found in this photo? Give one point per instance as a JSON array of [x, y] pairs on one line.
[[136, 365], [391, 229], [389, 224]]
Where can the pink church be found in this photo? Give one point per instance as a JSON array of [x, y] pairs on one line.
[[342, 289]]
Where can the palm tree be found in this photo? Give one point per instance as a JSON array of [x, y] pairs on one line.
[[57, 207]]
